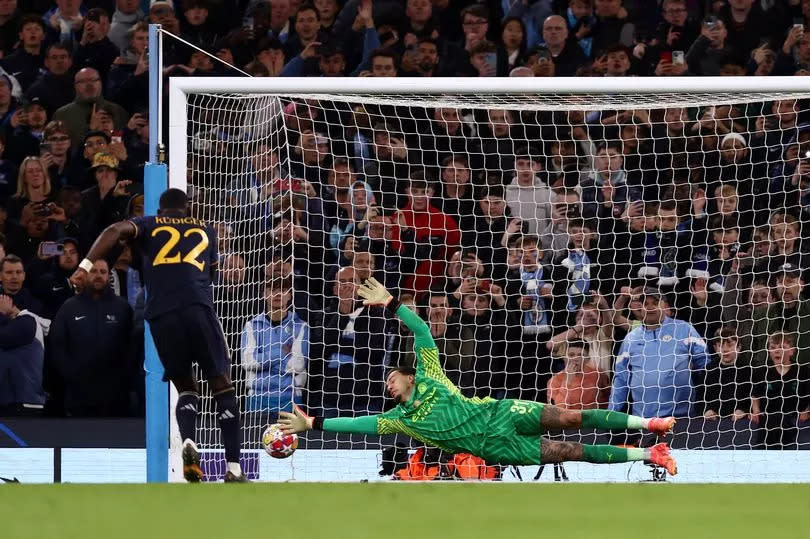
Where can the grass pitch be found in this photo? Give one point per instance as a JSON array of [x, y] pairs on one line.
[[394, 510]]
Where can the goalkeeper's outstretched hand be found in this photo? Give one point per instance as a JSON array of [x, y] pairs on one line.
[[293, 423], [373, 293]]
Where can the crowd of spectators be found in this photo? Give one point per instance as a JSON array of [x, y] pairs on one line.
[[645, 260]]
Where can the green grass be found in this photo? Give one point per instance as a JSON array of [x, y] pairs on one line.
[[416, 511]]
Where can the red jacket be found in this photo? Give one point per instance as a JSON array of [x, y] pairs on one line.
[[427, 224]]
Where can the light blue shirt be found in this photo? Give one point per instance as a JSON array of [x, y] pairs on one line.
[[654, 369]]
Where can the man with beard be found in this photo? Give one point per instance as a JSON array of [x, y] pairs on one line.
[[90, 338], [76, 115]]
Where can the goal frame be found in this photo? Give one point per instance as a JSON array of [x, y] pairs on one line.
[[178, 143]]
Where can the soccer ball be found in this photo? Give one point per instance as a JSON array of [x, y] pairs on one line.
[[277, 444]]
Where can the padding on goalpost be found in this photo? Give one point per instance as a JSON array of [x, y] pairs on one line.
[[549, 231]]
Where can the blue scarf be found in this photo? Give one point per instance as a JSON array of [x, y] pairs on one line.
[[579, 275], [532, 283]]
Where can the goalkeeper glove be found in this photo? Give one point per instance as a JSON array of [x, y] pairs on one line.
[[298, 421], [373, 293]]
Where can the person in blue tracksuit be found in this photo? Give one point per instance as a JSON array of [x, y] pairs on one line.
[[653, 370], [21, 361], [275, 347]]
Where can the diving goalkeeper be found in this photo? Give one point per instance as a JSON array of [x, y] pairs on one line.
[[508, 431]]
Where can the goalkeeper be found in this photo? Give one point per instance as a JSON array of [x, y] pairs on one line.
[[508, 431]]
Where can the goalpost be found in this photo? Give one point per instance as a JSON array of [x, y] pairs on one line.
[[712, 160]]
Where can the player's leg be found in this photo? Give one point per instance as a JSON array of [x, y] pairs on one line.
[[552, 451], [224, 394], [186, 412], [213, 356], [171, 341], [554, 417]]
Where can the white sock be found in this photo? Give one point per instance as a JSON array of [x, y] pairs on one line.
[[235, 468], [189, 441]]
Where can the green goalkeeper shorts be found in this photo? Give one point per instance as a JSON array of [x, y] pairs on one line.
[[514, 432]]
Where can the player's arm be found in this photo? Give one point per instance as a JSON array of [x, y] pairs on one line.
[[122, 230], [298, 421], [427, 355]]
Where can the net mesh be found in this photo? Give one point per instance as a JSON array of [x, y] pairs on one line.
[[639, 252]]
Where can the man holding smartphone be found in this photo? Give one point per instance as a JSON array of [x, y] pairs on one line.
[[710, 52]]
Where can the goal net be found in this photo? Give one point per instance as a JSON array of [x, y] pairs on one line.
[[639, 251]]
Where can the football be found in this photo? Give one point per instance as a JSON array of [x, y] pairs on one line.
[[277, 444]]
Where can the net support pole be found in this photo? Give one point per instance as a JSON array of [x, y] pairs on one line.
[[155, 179]]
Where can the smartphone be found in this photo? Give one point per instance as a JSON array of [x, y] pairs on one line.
[[41, 209], [116, 137], [248, 23], [44, 147], [678, 57], [665, 56], [543, 55], [51, 248]]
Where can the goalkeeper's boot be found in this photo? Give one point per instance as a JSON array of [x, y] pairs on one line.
[[659, 454], [661, 426], [191, 463], [231, 477]]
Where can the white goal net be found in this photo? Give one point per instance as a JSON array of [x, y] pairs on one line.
[[548, 240]]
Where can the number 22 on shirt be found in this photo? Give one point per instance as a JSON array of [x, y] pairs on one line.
[[169, 255]]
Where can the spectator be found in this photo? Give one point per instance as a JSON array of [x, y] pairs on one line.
[[458, 355], [10, 18], [76, 115], [456, 196], [53, 288], [90, 349], [492, 231], [727, 381], [28, 132], [612, 26], [528, 196], [26, 61], [8, 104], [655, 363], [107, 200], [710, 51], [275, 352], [55, 153], [429, 233], [55, 86], [127, 80], [781, 395], [578, 386], [788, 313], [21, 358], [65, 22], [594, 325], [33, 187], [677, 31], [125, 280], [351, 352], [12, 279], [127, 13]]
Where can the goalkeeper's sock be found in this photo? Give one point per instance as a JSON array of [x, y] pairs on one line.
[[186, 412], [608, 454], [605, 419], [228, 415]]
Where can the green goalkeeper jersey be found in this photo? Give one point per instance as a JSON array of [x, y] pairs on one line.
[[436, 413]]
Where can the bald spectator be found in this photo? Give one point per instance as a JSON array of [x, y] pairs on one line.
[[352, 351], [566, 54], [90, 348], [88, 101]]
